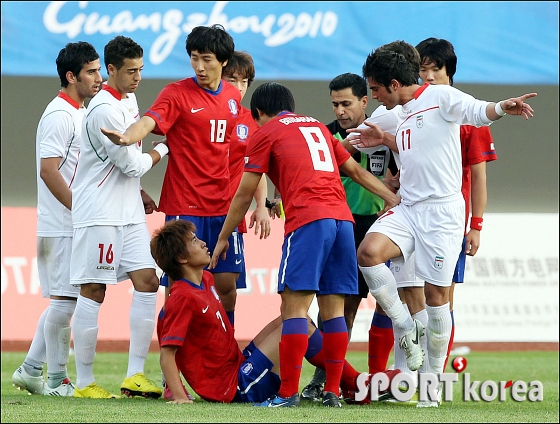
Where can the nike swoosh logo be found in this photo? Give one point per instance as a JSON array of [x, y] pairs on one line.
[[193, 110], [138, 385], [415, 341], [205, 309], [237, 262]]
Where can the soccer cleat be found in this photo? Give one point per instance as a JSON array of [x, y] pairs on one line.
[[413, 401], [410, 343], [24, 381], [66, 388], [93, 391], [349, 396], [167, 395], [140, 385], [387, 394], [280, 402], [330, 399], [312, 392]]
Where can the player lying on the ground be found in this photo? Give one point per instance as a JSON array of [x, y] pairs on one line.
[[210, 358]]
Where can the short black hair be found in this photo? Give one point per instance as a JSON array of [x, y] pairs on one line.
[[394, 61], [348, 80], [242, 64], [213, 39], [72, 58], [441, 53], [119, 49], [272, 98]]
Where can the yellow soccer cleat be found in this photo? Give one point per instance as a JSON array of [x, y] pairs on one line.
[[93, 391], [140, 385]]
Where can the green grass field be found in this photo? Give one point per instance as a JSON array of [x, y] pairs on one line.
[[110, 369]]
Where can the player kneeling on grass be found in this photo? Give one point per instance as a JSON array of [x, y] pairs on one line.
[[210, 358]]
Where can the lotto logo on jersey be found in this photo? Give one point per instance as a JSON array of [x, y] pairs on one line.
[[232, 107], [242, 132], [438, 262], [419, 121]]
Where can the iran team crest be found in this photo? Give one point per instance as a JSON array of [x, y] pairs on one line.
[[232, 107], [419, 121], [438, 262]]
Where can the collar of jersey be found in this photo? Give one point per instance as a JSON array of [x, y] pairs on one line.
[[69, 99], [218, 90], [196, 286], [420, 90], [112, 91]]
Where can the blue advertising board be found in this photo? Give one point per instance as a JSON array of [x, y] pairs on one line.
[[496, 42]]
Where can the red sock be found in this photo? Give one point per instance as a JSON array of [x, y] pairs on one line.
[[381, 341], [292, 348], [449, 346], [334, 346]]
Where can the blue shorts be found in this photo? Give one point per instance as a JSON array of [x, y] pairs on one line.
[[208, 229], [459, 274], [255, 380], [320, 257]]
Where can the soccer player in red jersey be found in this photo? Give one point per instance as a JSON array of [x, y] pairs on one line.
[[302, 159], [197, 339], [197, 116]]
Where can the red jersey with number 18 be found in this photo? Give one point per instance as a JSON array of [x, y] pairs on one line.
[[197, 124], [301, 158]]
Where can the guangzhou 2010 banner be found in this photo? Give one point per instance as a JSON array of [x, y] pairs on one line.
[[496, 42]]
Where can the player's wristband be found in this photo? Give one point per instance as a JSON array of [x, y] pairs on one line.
[[162, 149], [476, 223], [498, 109]]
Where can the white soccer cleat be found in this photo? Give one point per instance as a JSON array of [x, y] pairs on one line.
[[432, 403], [66, 388], [410, 343], [24, 381]]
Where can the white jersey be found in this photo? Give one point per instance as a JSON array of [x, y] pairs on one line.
[[428, 140], [58, 135], [106, 190], [387, 120]]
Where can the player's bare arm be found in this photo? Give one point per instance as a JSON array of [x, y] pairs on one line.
[[260, 219], [513, 106], [133, 134], [54, 181], [171, 374], [149, 204]]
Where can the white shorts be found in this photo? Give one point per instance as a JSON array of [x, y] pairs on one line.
[[53, 265], [433, 229], [105, 254], [404, 272]]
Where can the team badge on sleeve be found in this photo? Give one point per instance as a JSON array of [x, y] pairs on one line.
[[438, 262]]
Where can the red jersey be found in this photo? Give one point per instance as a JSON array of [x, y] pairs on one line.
[[245, 126], [476, 146], [301, 158], [208, 356], [197, 124]]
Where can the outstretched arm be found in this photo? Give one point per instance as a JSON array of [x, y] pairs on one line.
[[171, 374], [513, 106], [259, 218], [133, 134]]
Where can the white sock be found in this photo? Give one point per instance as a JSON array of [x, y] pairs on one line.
[[383, 287], [85, 328], [400, 356], [142, 324], [422, 316], [36, 355], [57, 334], [438, 332]]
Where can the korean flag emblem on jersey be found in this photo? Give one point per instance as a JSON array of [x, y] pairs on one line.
[[215, 293], [232, 107], [419, 121], [242, 132], [438, 262]]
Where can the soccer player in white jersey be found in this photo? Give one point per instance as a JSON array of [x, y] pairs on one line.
[[57, 149], [430, 219], [111, 239]]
